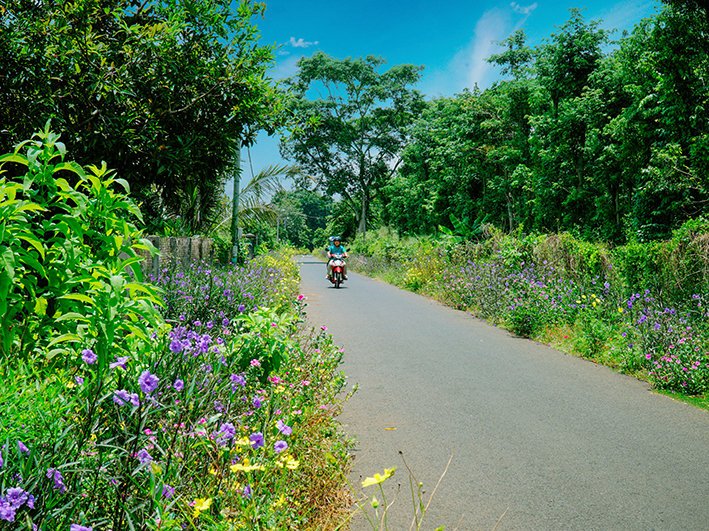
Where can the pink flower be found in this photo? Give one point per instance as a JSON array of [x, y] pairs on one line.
[[255, 363]]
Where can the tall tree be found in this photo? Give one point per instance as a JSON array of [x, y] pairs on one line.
[[159, 90], [350, 134]]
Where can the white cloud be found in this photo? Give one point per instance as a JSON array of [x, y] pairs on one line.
[[468, 65], [300, 43], [524, 10]]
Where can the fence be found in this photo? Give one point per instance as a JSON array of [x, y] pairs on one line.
[[174, 251]]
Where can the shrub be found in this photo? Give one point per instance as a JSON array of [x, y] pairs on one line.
[[68, 253]]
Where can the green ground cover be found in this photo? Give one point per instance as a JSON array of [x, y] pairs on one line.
[[195, 400]]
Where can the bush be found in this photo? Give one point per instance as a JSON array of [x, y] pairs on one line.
[[68, 253]]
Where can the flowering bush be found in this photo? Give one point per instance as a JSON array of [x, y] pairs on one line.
[[202, 293]]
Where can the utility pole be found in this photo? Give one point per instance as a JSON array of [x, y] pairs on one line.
[[235, 206]]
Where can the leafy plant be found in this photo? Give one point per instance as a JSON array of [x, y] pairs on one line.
[[463, 230], [68, 255]]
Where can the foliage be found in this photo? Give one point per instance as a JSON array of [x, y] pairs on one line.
[[68, 254], [463, 230], [607, 141], [350, 135], [160, 90], [303, 217]]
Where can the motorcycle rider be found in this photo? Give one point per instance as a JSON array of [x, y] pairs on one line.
[[336, 249]]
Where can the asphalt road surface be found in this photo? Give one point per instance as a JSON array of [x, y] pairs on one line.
[[557, 442]]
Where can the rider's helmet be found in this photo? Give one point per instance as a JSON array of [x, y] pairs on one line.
[[336, 239]]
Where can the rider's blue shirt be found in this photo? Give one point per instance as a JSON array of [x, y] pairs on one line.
[[336, 250]]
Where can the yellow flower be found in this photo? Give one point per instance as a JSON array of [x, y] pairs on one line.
[[201, 505], [244, 441], [379, 478], [246, 466], [620, 310], [292, 463]]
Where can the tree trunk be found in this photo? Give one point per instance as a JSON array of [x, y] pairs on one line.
[[362, 229]]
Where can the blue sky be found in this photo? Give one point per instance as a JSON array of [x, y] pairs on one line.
[[450, 39]]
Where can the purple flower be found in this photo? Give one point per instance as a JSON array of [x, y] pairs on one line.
[[88, 356], [168, 491], [79, 380], [16, 497], [257, 402], [226, 432], [144, 457], [7, 511], [241, 308], [1, 461], [179, 385], [246, 492], [237, 380], [120, 362], [256, 439], [283, 428], [53, 473], [148, 382], [77, 527], [280, 446], [30, 501], [176, 346], [22, 447], [121, 397]]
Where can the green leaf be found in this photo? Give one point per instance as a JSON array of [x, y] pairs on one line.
[[7, 259], [34, 242], [40, 307], [64, 338], [78, 297], [71, 316]]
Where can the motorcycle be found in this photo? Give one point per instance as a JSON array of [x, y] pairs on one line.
[[338, 264]]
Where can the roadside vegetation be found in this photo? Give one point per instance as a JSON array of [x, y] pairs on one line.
[[195, 400], [640, 308]]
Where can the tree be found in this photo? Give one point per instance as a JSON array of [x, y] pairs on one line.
[[303, 216], [159, 90], [349, 137]]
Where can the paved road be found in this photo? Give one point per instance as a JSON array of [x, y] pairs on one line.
[[563, 443]]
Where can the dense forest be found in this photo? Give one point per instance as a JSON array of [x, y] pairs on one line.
[[600, 135]]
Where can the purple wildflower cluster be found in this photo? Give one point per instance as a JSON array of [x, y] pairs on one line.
[[56, 476], [203, 291], [14, 499]]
